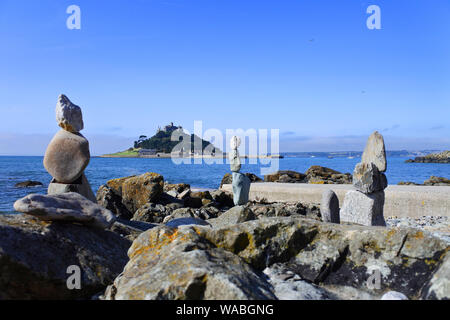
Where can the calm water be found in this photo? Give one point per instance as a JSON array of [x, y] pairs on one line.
[[17, 169]]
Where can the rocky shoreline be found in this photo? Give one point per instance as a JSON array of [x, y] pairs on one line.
[[178, 241], [141, 238], [443, 157]]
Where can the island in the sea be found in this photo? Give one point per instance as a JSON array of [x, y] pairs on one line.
[[161, 145]]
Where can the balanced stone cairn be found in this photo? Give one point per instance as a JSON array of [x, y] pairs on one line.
[[68, 155], [241, 183], [365, 204]]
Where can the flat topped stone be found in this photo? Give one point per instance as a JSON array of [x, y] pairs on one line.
[[69, 206], [375, 152], [67, 156], [68, 115]]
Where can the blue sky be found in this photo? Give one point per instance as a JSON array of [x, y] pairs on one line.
[[309, 68]]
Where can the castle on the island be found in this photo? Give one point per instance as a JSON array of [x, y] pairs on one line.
[[169, 128]]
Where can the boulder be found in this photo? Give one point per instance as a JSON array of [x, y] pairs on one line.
[[152, 213], [365, 209], [235, 215], [180, 213], [241, 188], [35, 256], [178, 187], [68, 115], [439, 285], [130, 229], [70, 206], [177, 264], [324, 175], [335, 255], [367, 178], [374, 152], [67, 156], [27, 184], [329, 207], [175, 223], [394, 295], [136, 191], [224, 198], [110, 200], [296, 177], [81, 186], [289, 286], [284, 209], [193, 202], [437, 181]]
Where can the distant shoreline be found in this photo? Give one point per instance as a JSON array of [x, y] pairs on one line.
[[169, 156]]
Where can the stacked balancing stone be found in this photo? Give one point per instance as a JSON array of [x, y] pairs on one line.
[[365, 204], [68, 155], [241, 183]]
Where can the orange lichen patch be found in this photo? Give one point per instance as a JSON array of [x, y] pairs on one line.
[[155, 243], [317, 182], [116, 184], [418, 235], [390, 233]]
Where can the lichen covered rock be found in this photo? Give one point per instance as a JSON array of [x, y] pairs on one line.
[[176, 263], [35, 256]]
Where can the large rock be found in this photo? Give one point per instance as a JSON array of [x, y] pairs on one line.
[[365, 209], [223, 198], [329, 207], [332, 255], [375, 152], [235, 215], [324, 175], [27, 184], [68, 115], [81, 186], [136, 191], [439, 285], [177, 264], [107, 198], [71, 207], [241, 188], [293, 175], [437, 181], [151, 212], [67, 156], [35, 256], [367, 178]]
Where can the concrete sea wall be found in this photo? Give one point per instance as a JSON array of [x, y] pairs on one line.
[[401, 201]]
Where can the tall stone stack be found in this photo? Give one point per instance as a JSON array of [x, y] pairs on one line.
[[241, 183], [68, 155], [365, 204]]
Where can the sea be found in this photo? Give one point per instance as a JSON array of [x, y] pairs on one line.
[[14, 169]]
